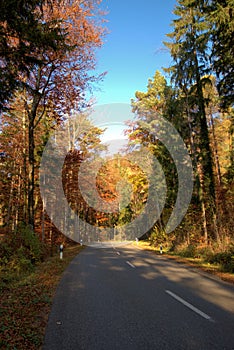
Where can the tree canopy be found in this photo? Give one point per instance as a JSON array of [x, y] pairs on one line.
[[24, 34]]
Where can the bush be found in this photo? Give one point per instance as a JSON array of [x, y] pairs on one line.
[[31, 246], [225, 260], [20, 250], [189, 252], [205, 253], [6, 251], [157, 237], [228, 266], [20, 264]]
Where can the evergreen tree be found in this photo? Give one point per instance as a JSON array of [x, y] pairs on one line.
[[189, 49], [220, 16]]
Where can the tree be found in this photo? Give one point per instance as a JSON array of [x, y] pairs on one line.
[[15, 168], [23, 34], [189, 49], [57, 82], [158, 101], [220, 16]]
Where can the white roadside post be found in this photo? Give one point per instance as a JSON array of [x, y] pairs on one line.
[[161, 249], [61, 251]]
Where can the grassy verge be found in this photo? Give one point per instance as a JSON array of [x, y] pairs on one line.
[[214, 269], [26, 302]]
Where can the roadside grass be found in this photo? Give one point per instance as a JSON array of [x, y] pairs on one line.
[[196, 262], [26, 301]]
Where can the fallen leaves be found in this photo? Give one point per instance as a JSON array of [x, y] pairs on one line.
[[25, 304]]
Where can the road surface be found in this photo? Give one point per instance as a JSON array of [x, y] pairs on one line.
[[129, 299]]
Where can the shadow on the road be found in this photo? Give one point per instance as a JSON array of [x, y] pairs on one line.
[[113, 305]]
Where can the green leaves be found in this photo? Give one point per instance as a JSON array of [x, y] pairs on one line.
[[219, 15]]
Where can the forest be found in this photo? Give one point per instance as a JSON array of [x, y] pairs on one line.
[[48, 51]]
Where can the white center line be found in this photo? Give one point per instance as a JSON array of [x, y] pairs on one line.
[[190, 306], [128, 262]]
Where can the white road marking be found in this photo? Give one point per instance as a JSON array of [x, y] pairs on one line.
[[190, 306], [128, 262], [118, 253]]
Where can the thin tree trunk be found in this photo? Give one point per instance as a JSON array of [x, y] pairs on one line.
[[216, 155], [31, 157], [43, 225], [203, 204], [25, 205], [31, 172], [17, 207], [231, 143], [10, 199]]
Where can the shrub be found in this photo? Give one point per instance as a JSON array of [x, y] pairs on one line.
[[20, 250], [225, 260], [205, 253], [188, 252], [19, 264], [157, 236], [31, 245], [6, 251]]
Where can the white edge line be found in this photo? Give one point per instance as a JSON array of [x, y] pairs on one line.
[[190, 306], [128, 262]]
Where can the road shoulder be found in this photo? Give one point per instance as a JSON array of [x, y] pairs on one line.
[[210, 271]]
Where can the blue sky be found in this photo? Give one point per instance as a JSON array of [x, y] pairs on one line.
[[133, 49]]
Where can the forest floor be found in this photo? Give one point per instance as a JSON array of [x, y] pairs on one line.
[[212, 269], [26, 301]]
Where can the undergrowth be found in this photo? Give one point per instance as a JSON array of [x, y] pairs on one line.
[[28, 283], [224, 259]]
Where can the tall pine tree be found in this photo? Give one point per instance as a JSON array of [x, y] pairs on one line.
[[220, 16], [189, 48]]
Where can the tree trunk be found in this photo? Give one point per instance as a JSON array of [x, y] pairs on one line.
[[231, 143], [31, 171], [203, 203], [198, 175], [31, 157], [25, 182], [206, 160], [216, 156]]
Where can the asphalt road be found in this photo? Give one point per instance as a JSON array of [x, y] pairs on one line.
[[129, 299]]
